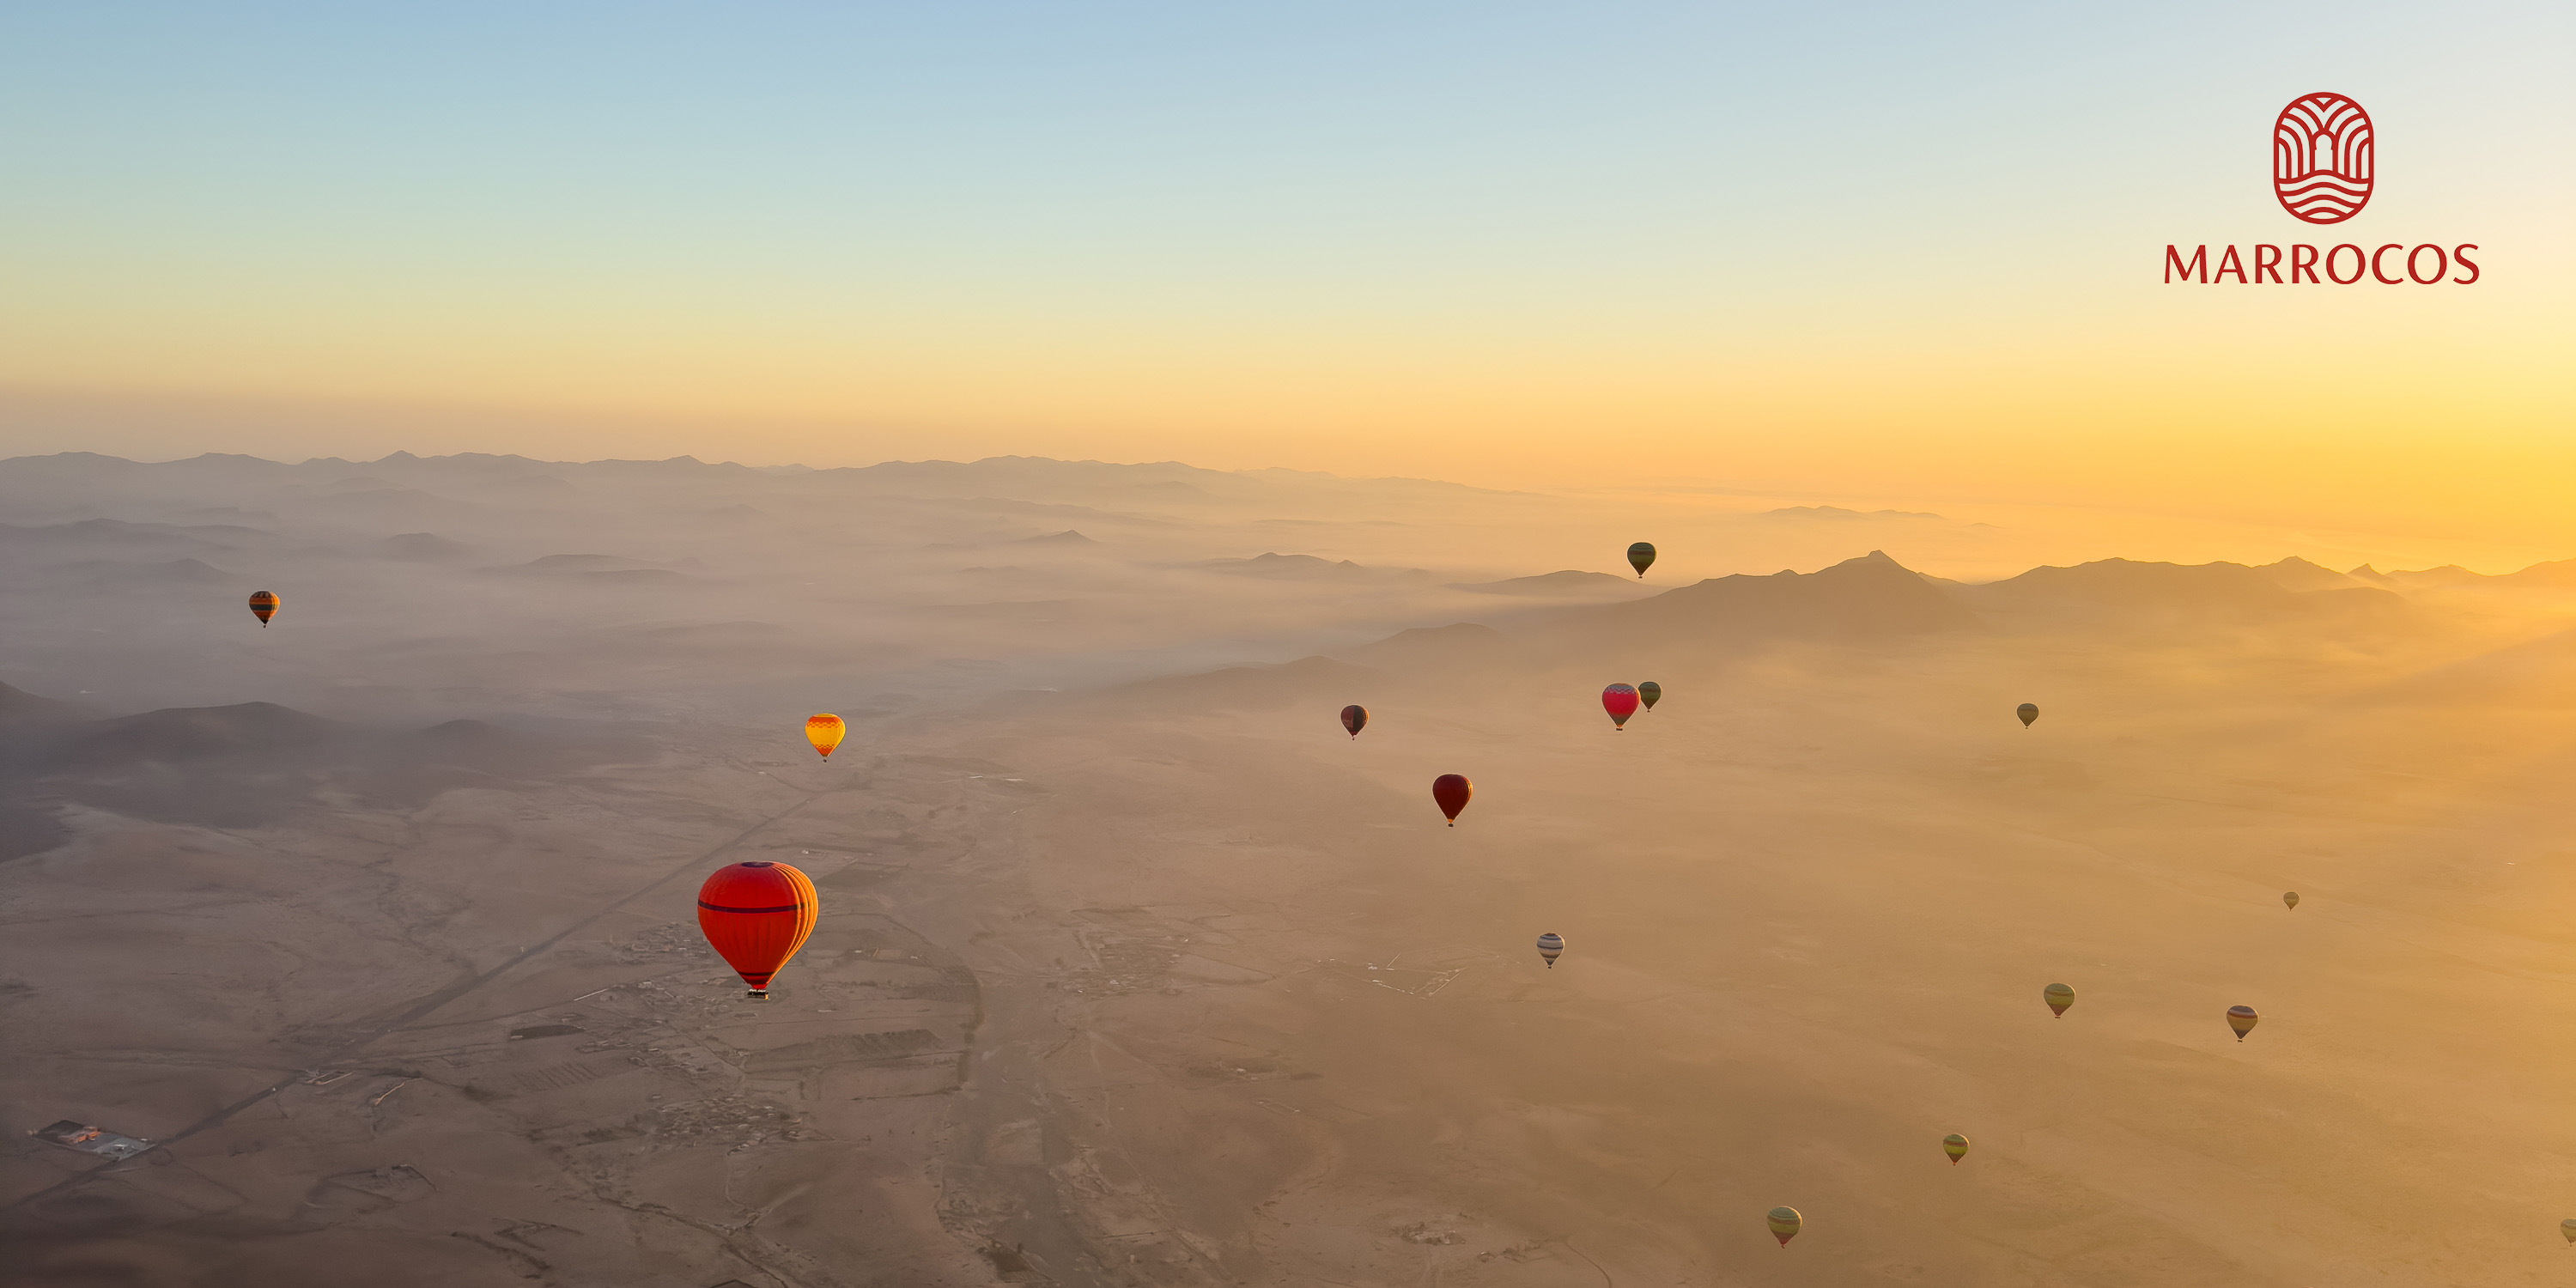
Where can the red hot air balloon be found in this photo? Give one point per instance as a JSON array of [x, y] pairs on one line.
[[1620, 700], [756, 915], [1355, 718], [1452, 791]]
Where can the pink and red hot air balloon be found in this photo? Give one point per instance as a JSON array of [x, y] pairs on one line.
[[1620, 700], [756, 915]]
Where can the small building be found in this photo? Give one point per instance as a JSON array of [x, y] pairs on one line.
[[90, 1140]]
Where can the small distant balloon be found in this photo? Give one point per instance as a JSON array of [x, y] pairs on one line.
[[1650, 693], [2028, 712], [2568, 1228], [756, 915], [2059, 997], [1620, 700], [824, 730], [1956, 1146], [263, 605], [2291, 897], [1784, 1224], [1549, 945], [1641, 556], [2242, 1019], [1355, 718], [1451, 792]]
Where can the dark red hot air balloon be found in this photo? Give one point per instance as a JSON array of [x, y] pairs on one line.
[[1355, 718], [1620, 700], [756, 915], [1452, 791]]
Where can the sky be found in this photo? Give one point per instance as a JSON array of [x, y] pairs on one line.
[[1858, 252]]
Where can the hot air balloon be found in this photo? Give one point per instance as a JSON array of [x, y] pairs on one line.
[[1650, 693], [1355, 718], [1452, 791], [1784, 1224], [1641, 556], [2242, 1019], [1549, 945], [263, 605], [824, 730], [2291, 897], [2028, 712], [2568, 1228], [1620, 700], [2059, 998], [1956, 1146], [756, 915]]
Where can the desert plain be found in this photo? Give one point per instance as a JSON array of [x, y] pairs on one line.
[[1133, 968]]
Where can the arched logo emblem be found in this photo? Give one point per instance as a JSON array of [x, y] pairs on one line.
[[2323, 157]]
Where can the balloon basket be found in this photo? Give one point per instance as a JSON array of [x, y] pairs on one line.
[[757, 994]]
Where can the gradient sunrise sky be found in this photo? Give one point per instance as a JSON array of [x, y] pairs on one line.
[[1865, 250]]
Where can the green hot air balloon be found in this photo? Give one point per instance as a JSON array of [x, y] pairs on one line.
[[2291, 898], [2568, 1228], [1641, 556], [1650, 693], [2059, 997], [2028, 712], [1956, 1146], [1784, 1224]]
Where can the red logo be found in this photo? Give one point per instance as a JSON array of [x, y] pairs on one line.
[[2322, 158]]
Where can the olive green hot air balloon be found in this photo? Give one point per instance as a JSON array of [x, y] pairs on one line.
[[1784, 1224], [2291, 897], [2028, 712], [1650, 693], [2242, 1019], [2568, 1228], [1641, 556], [1956, 1146], [2059, 997]]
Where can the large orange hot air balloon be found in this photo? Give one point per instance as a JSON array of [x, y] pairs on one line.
[[1452, 791], [756, 915], [824, 731], [263, 605]]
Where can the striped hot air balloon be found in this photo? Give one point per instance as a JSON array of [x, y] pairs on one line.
[[1784, 1224], [2242, 1019], [756, 915], [1620, 700], [2058, 997], [1549, 945], [1355, 718], [1641, 556], [825, 730], [263, 605], [1956, 1146]]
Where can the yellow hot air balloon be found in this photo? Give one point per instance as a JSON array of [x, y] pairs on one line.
[[263, 605], [1784, 1224], [1956, 1146], [2058, 997], [824, 731]]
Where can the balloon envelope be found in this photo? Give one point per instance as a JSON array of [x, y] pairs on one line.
[[1650, 693], [1956, 1146], [2059, 997], [1620, 700], [2290, 897], [1641, 556], [2028, 712], [1784, 1224], [1355, 718], [2241, 1019], [1452, 791], [2568, 1228], [1549, 945], [756, 915], [824, 731], [263, 605]]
